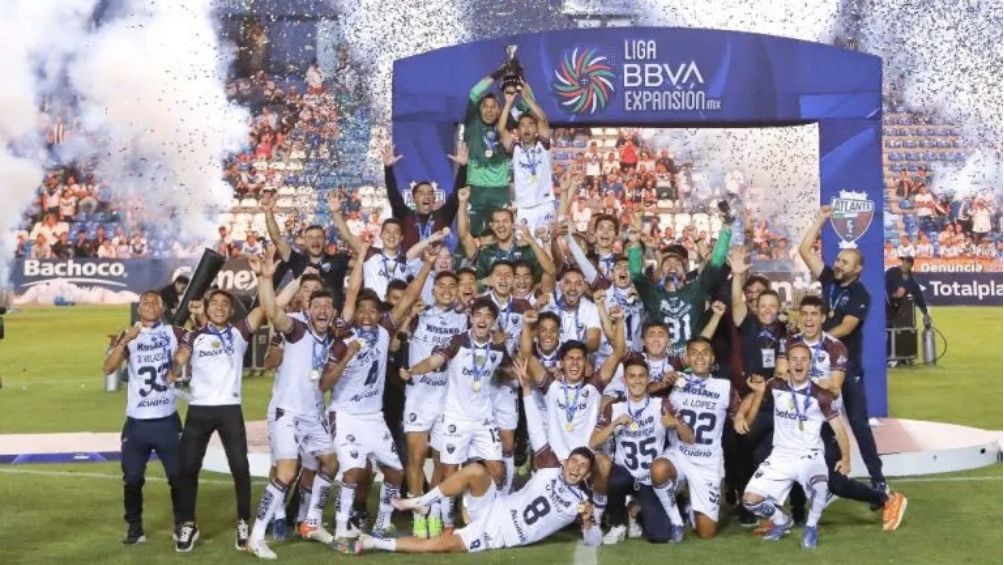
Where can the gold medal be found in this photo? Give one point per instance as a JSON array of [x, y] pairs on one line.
[[476, 386], [569, 426], [315, 375], [830, 314], [633, 426]]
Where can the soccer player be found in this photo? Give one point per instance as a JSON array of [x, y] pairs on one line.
[[800, 407], [216, 352], [355, 413], [505, 245], [828, 369], [523, 284], [539, 343], [423, 221], [425, 395], [152, 423], [469, 427], [679, 303], [848, 302], [580, 319], [505, 393], [638, 426], [298, 407], [533, 189], [554, 498], [703, 402], [380, 265]]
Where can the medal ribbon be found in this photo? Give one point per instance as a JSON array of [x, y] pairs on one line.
[[225, 337], [571, 405], [318, 358], [479, 370]]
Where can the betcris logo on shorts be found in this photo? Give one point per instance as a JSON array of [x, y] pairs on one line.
[[94, 271], [650, 78]]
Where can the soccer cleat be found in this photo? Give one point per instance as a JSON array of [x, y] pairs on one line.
[[243, 532], [892, 513], [389, 532], [435, 527], [615, 535], [134, 535], [261, 550], [280, 532], [313, 531], [634, 528], [409, 505], [810, 537], [747, 519], [420, 527], [676, 533], [188, 534], [778, 531]]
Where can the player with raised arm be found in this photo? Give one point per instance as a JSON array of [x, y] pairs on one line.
[[381, 265], [539, 344], [152, 423], [298, 404], [800, 407], [216, 352], [554, 498], [533, 188], [355, 413], [580, 319], [425, 395], [638, 426], [423, 221]]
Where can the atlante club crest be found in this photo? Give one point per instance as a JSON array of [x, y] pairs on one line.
[[852, 214], [584, 81]]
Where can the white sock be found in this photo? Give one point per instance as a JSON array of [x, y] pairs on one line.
[[383, 544], [280, 512], [430, 497], [386, 510], [305, 495], [510, 472], [667, 497], [818, 492], [318, 498], [599, 505], [446, 509], [272, 498], [345, 498]]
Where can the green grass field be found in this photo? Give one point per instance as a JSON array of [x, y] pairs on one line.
[[52, 382]]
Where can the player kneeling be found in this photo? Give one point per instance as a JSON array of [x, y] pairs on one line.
[[800, 407], [553, 498]]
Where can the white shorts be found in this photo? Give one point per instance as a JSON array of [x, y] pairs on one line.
[[775, 476], [704, 484], [485, 530], [422, 411], [358, 437], [504, 408], [293, 435], [463, 440], [535, 217]]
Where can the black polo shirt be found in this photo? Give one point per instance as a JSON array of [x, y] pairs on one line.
[[332, 268], [852, 300]]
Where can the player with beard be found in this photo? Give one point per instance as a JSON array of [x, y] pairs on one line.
[[331, 268], [638, 426], [676, 302], [355, 413], [505, 393], [152, 422], [425, 395], [533, 189], [799, 408], [216, 352], [580, 319], [469, 427], [380, 265], [505, 246], [703, 402], [848, 301], [828, 369], [423, 221], [298, 404], [554, 498]]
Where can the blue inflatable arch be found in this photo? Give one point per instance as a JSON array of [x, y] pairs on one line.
[[672, 77]]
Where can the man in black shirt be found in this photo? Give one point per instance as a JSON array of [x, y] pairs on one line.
[[423, 221], [172, 293], [899, 283], [848, 302], [332, 268]]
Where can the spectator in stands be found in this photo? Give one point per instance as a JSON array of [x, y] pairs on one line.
[[21, 249], [107, 250], [83, 247], [904, 185], [923, 247], [137, 245], [41, 248], [62, 249], [68, 205], [594, 163], [629, 156], [314, 79], [99, 238], [223, 243], [252, 246], [889, 252], [581, 214], [981, 216], [926, 208], [49, 228], [52, 195], [87, 201], [121, 243], [906, 247]]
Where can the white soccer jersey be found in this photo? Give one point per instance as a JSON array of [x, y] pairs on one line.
[[799, 413], [531, 173], [545, 505], [379, 270], [656, 369], [148, 359], [295, 390], [572, 413], [634, 317], [638, 444], [470, 366], [575, 322], [360, 388], [217, 363], [510, 320], [704, 404], [433, 327]]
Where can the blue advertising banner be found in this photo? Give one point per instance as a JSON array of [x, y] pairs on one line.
[[962, 289]]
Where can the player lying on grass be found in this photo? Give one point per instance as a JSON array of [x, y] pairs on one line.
[[554, 497]]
